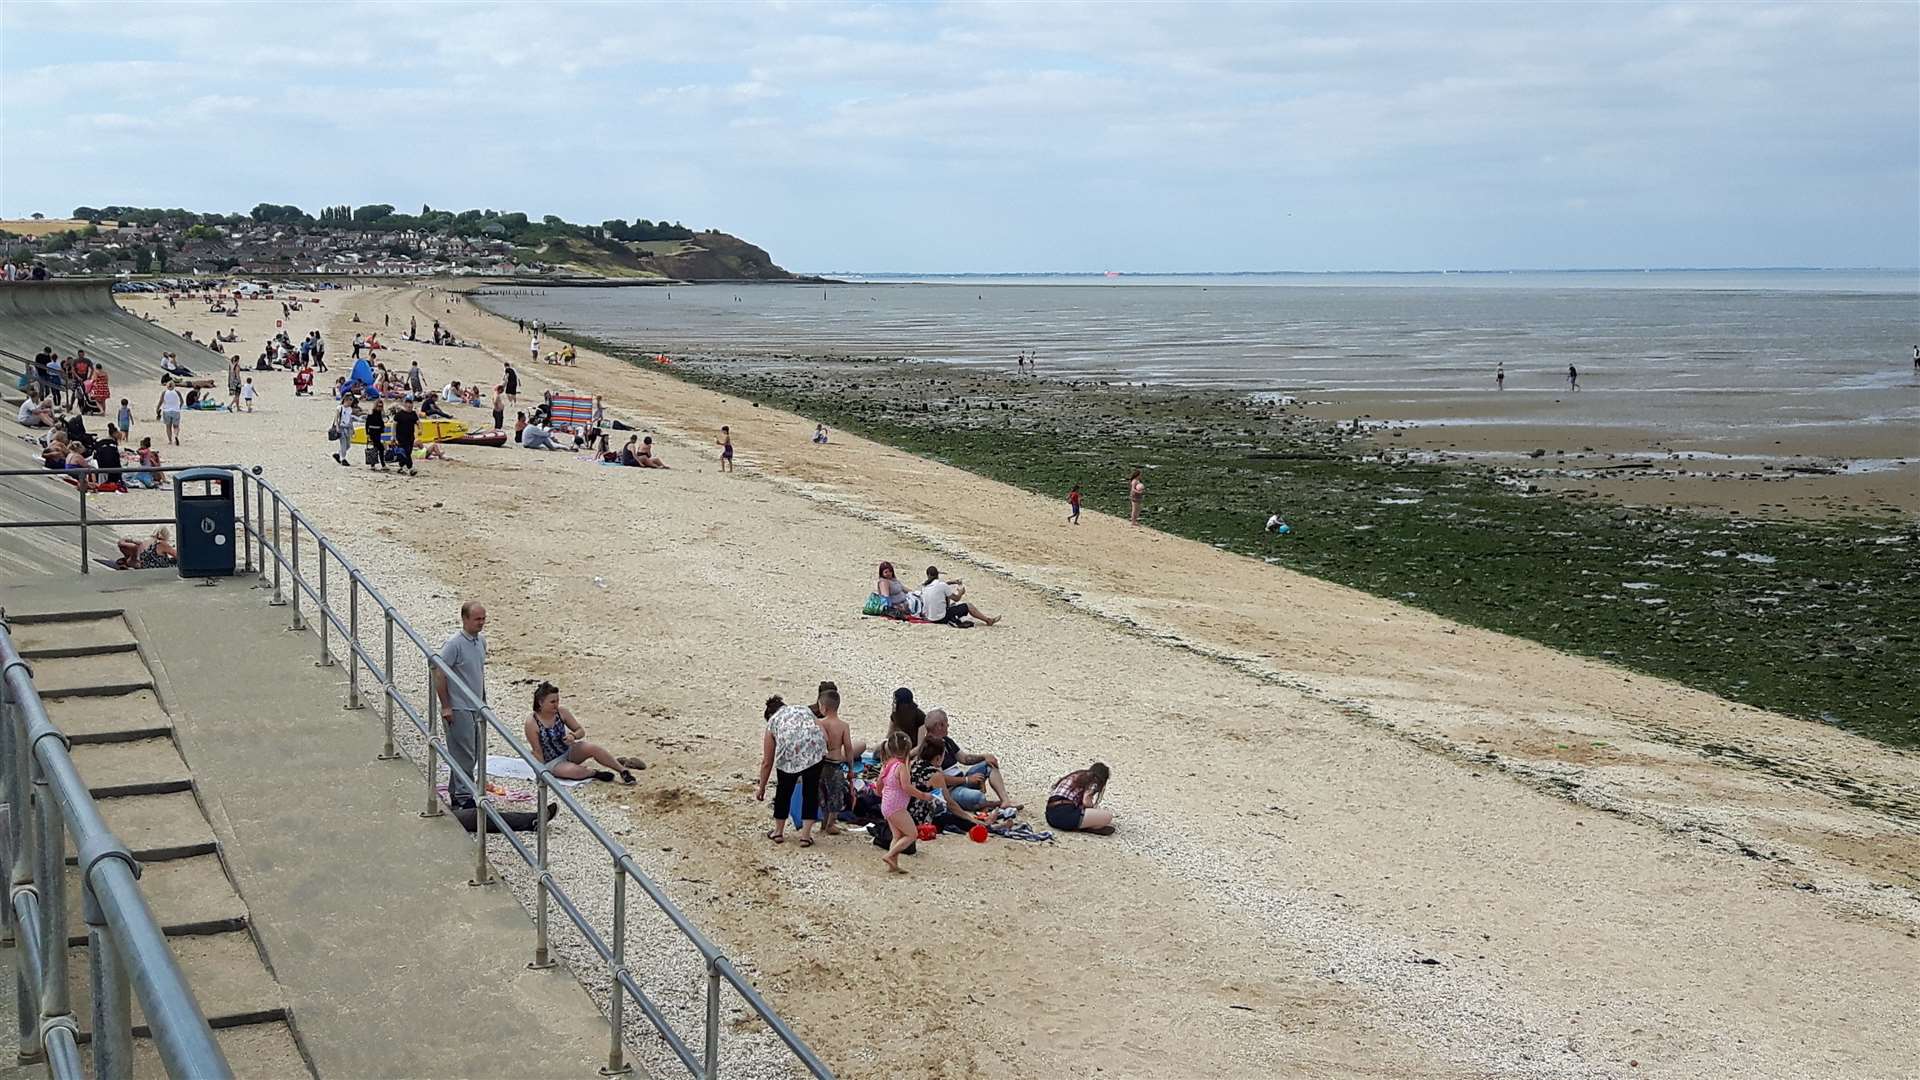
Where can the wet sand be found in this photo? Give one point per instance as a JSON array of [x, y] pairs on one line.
[[1355, 838], [1813, 470]]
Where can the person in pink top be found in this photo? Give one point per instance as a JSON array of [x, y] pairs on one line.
[[1136, 490], [896, 791]]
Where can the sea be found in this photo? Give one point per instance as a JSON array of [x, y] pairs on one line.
[[1745, 351]]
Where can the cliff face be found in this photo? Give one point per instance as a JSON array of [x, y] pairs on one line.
[[712, 256]]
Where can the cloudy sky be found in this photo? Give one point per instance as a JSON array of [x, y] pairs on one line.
[[1014, 137]]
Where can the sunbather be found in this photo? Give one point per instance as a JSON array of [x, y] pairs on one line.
[[560, 742]]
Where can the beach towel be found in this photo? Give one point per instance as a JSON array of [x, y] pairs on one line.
[[513, 768], [1020, 830]]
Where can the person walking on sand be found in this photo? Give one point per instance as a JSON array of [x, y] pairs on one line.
[[125, 418], [376, 425], [233, 384], [510, 381], [1500, 376], [405, 421], [1073, 505], [168, 412], [896, 792], [343, 430], [1136, 491], [726, 448], [1573, 377], [247, 394]]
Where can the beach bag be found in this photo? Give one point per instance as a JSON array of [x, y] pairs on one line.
[[373, 453], [876, 605], [333, 431]]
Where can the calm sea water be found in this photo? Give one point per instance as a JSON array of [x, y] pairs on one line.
[[1667, 350]]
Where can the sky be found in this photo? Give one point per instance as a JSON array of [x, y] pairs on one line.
[[1013, 137]]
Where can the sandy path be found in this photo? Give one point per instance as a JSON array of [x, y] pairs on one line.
[[1308, 808]]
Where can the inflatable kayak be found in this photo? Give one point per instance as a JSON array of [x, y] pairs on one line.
[[480, 438], [424, 432]]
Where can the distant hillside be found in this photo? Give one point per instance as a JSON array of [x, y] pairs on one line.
[[378, 239], [706, 256]]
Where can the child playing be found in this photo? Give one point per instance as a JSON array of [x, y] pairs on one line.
[[820, 434], [246, 395], [149, 459], [126, 418], [896, 791], [726, 448], [1073, 505]]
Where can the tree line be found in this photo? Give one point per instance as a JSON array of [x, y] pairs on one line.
[[514, 227]]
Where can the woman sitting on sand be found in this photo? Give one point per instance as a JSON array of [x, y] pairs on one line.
[[900, 599], [645, 456], [1074, 803], [560, 742], [153, 553]]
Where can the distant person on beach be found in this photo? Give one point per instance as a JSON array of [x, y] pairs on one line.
[[1073, 805], [562, 743], [1073, 505], [465, 655], [1136, 491], [794, 746], [820, 434], [1573, 377], [405, 422], [499, 408], [343, 430], [1916, 358], [1276, 526], [1500, 377], [646, 456], [247, 394], [726, 448], [970, 776], [153, 553], [376, 427], [896, 793], [510, 381], [940, 601]]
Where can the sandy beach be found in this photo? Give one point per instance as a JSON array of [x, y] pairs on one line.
[[1354, 838]]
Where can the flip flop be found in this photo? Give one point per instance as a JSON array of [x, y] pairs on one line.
[[806, 841], [778, 838]]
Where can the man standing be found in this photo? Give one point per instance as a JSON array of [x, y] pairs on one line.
[[416, 382], [404, 422], [511, 382], [464, 654]]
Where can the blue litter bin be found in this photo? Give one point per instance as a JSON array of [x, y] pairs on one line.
[[203, 506]]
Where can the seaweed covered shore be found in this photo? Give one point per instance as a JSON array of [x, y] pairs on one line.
[[1812, 618]]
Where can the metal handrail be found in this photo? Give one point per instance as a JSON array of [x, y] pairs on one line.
[[277, 555], [125, 944], [86, 523]]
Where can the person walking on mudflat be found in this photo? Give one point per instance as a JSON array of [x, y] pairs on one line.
[[1136, 491], [726, 448], [1500, 377], [1573, 377]]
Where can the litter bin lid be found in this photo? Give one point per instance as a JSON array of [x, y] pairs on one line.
[[204, 474]]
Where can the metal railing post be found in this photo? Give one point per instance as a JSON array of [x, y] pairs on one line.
[[51, 883], [293, 533], [482, 873], [326, 613], [541, 959], [260, 521], [713, 1020], [386, 694], [112, 1000], [279, 555], [617, 1048], [432, 760], [246, 521], [86, 564], [353, 640], [15, 806], [21, 875]]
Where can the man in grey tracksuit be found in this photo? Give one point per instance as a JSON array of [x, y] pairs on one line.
[[465, 654]]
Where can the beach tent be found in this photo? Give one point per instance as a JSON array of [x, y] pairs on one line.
[[362, 378]]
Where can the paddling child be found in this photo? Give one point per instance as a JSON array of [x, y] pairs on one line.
[[726, 448], [1073, 505], [896, 793]]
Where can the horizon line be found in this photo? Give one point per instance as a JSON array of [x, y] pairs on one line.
[[1433, 271]]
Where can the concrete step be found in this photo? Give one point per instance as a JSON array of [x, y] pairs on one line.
[[114, 718], [228, 978], [255, 1051], [157, 827], [91, 676], [188, 896], [37, 639], [140, 767]]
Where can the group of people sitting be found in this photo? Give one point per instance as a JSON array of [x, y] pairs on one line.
[[69, 447], [919, 783], [937, 600]]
